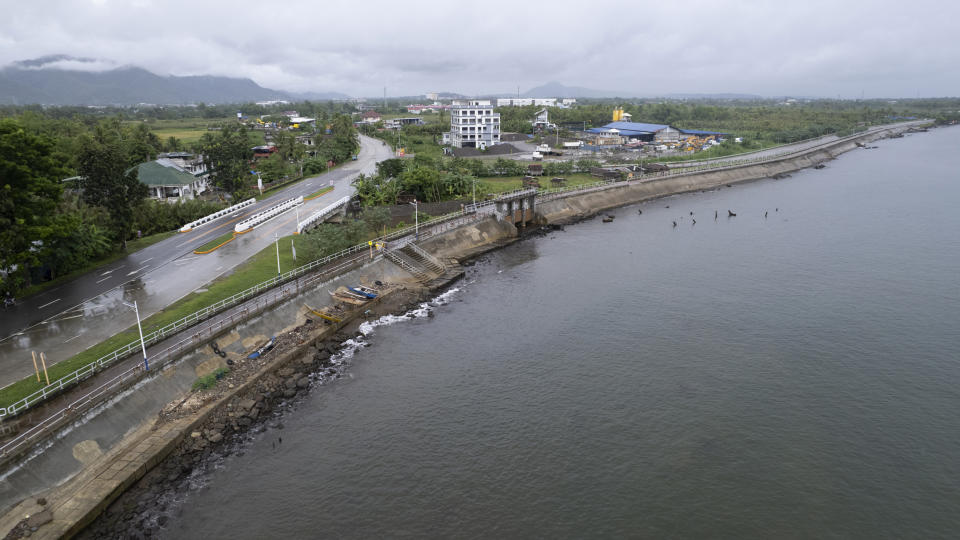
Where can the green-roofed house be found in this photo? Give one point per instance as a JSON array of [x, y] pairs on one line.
[[170, 181]]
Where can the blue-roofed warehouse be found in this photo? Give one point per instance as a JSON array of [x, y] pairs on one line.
[[640, 131]]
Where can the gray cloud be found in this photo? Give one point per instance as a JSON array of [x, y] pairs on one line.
[[879, 48]]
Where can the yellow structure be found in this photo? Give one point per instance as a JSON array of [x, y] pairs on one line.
[[618, 114]]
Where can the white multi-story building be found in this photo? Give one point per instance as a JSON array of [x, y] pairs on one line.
[[564, 103], [473, 124]]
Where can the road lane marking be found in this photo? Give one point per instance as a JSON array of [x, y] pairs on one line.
[[137, 270], [49, 303], [104, 279], [110, 271], [146, 261], [73, 338]]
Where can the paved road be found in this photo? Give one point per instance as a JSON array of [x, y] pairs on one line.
[[74, 316]]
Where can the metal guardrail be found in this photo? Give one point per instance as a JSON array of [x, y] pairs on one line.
[[151, 338], [322, 214], [244, 311], [250, 303], [217, 215]]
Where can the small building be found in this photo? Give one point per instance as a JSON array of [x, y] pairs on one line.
[[400, 122], [542, 120], [535, 169], [167, 181], [191, 163], [263, 151], [606, 136], [370, 117]]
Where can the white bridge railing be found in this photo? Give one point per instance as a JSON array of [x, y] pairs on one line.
[[322, 215], [268, 214], [217, 215]]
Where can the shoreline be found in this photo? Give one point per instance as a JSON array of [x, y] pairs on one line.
[[195, 439]]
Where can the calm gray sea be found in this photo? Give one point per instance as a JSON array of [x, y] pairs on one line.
[[789, 376]]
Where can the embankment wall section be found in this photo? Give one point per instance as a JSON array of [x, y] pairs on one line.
[[578, 206]]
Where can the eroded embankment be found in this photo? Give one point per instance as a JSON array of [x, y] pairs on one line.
[[579, 206]]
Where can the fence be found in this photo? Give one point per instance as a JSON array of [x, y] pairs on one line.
[[151, 338], [258, 218], [322, 214], [217, 215], [201, 334]]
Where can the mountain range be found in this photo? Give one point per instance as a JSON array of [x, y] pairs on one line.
[[42, 81], [555, 89]]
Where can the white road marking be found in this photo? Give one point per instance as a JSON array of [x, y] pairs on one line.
[[146, 261], [108, 272], [104, 279], [73, 338], [49, 303], [137, 270]]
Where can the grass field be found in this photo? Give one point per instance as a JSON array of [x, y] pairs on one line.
[[190, 130], [510, 183]]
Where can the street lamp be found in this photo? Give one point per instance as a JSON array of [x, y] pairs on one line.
[[143, 346], [416, 220], [276, 238]]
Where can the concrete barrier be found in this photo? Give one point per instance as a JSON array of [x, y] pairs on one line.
[[262, 217], [322, 214], [217, 215]]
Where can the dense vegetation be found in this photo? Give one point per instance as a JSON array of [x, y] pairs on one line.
[[70, 196]]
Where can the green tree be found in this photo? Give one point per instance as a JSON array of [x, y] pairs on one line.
[[376, 218], [227, 155], [273, 168], [29, 192], [108, 181]]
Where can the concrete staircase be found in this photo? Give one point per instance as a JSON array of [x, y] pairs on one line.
[[413, 259]]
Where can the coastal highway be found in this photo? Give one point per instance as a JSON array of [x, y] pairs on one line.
[[72, 317]]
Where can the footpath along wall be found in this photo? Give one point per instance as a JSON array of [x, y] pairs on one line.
[[578, 206]]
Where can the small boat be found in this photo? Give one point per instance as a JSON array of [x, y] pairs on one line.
[[262, 350], [323, 314], [346, 296], [364, 291]]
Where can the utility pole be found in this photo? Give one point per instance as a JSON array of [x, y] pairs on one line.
[[143, 346], [416, 220]]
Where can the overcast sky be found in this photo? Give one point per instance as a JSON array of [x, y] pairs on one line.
[[800, 47]]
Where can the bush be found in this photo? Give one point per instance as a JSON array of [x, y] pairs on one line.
[[152, 216], [210, 380]]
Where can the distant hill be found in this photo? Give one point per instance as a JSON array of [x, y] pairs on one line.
[[44, 81], [715, 96], [555, 89]]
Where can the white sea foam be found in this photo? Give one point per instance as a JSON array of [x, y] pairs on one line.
[[350, 346]]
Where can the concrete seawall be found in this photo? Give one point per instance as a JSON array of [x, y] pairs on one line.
[[75, 504], [578, 206]]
